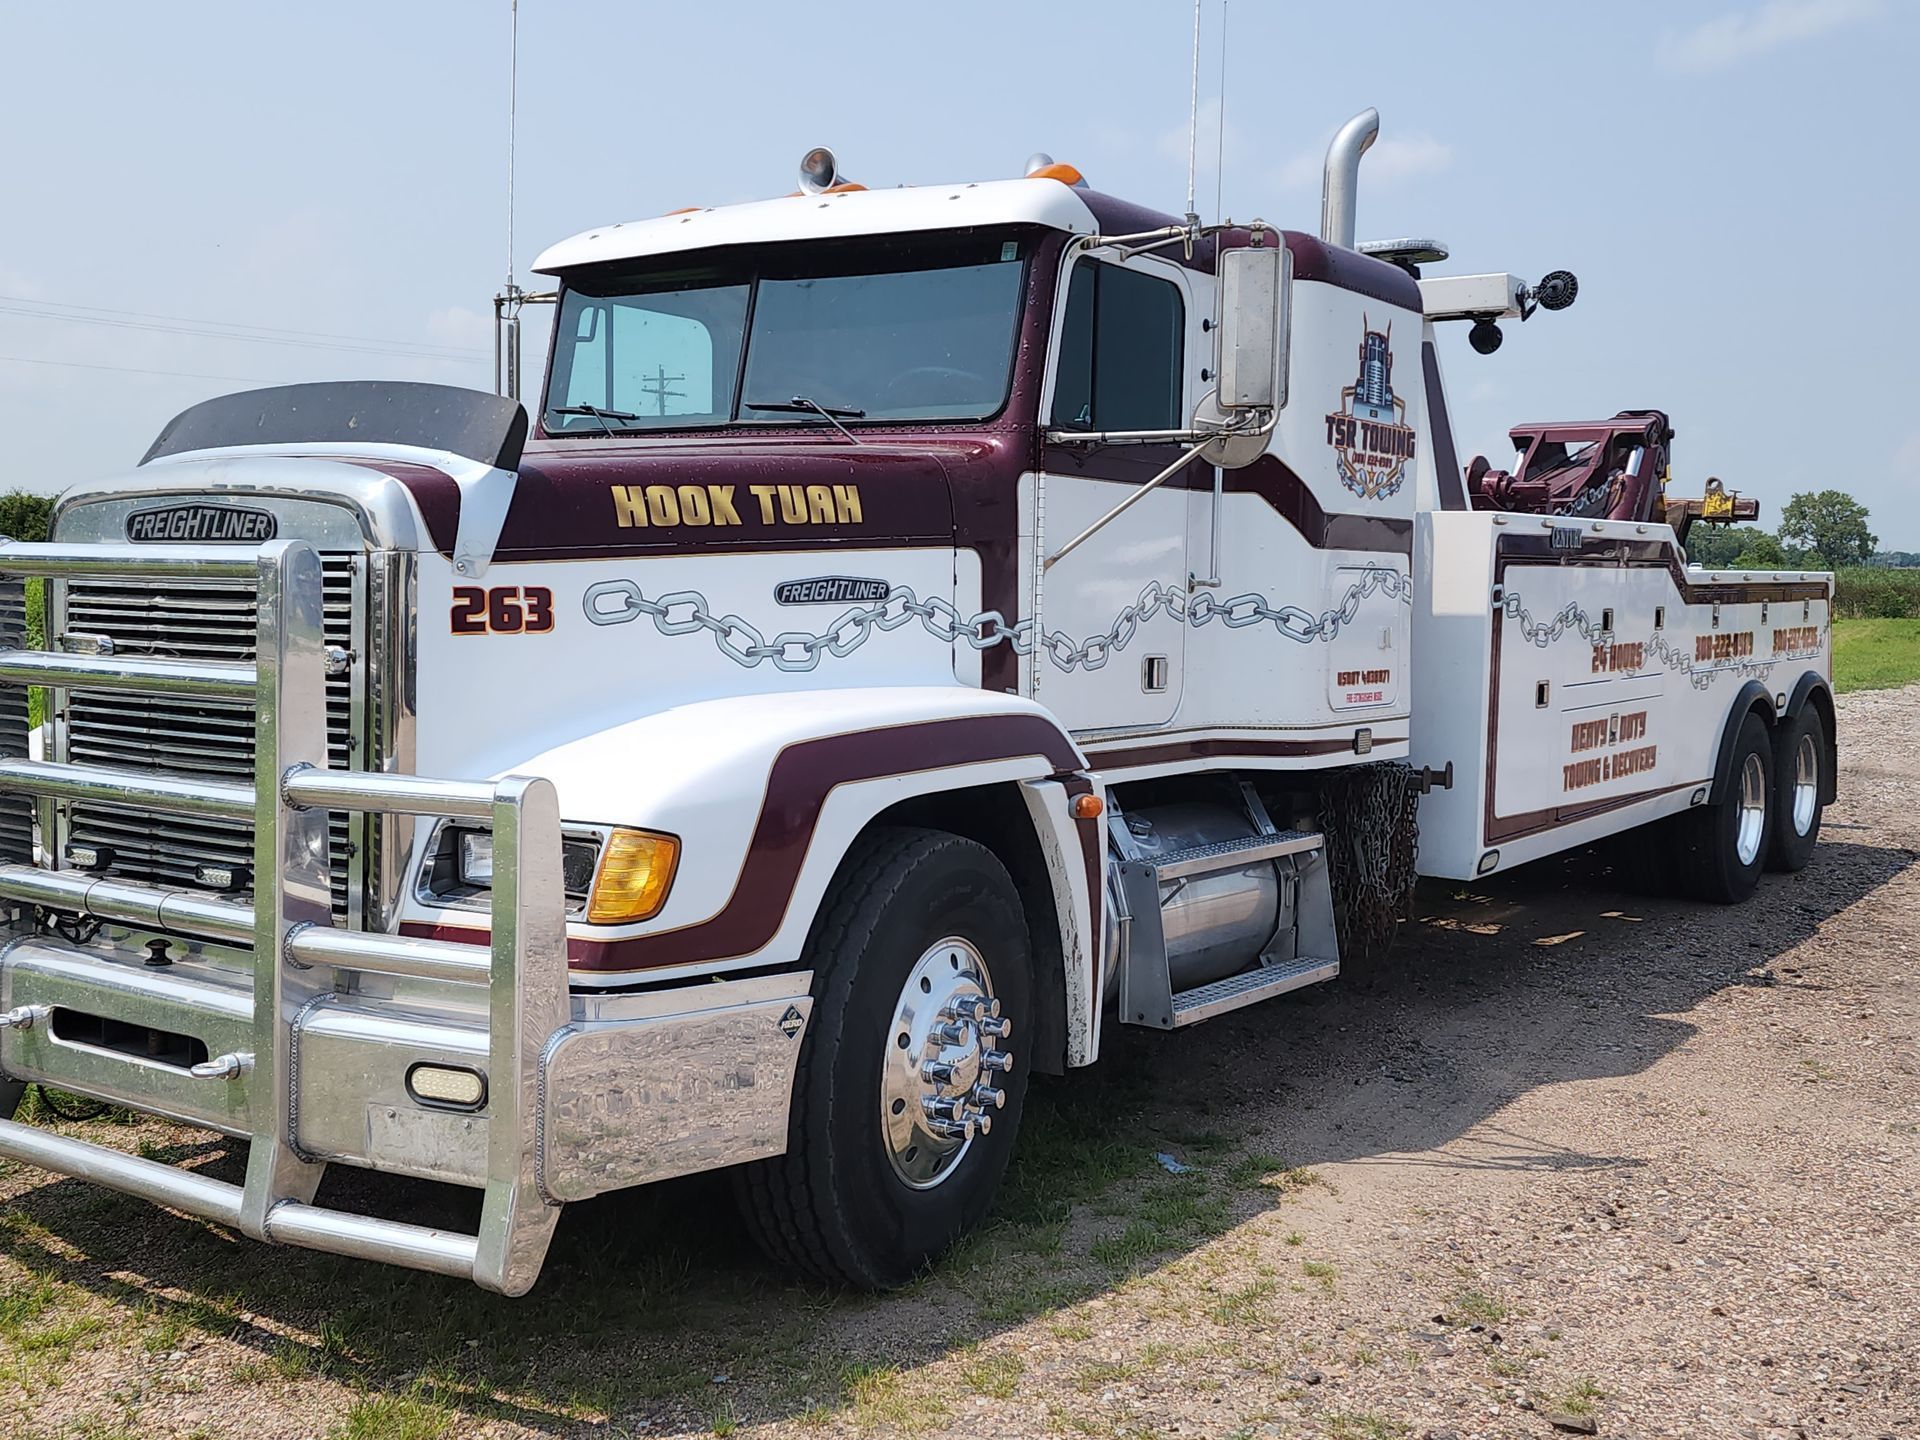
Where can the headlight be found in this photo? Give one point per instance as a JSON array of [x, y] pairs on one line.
[[475, 865], [459, 871]]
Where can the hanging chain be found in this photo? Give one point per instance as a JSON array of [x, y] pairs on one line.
[[684, 612], [1369, 815]]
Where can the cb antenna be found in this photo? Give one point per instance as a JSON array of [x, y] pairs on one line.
[[506, 305], [1193, 125], [1220, 129], [513, 96]]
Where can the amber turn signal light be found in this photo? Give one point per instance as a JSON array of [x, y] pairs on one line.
[[636, 871], [1088, 807]]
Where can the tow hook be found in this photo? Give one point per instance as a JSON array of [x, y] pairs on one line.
[[223, 1067]]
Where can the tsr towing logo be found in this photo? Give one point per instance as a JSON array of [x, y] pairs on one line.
[[1371, 442]]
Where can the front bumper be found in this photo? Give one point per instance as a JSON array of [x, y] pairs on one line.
[[633, 1088], [267, 1021]]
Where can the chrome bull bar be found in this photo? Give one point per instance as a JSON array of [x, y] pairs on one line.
[[299, 956]]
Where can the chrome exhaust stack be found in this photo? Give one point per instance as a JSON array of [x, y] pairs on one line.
[[1340, 189]]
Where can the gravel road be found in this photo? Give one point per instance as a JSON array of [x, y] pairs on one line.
[[1571, 1160]]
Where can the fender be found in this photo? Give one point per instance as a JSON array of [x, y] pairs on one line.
[[766, 793], [1812, 688], [1753, 696]]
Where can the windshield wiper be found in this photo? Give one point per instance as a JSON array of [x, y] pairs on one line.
[[595, 412], [801, 405]]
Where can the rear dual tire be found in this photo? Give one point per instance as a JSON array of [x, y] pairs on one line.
[[1800, 778], [1719, 850]]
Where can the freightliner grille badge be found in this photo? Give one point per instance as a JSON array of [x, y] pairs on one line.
[[202, 523]]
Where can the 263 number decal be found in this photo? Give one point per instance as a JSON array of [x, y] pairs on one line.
[[502, 610]]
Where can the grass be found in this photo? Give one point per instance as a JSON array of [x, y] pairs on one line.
[[1875, 654], [410, 1416], [1475, 1307]]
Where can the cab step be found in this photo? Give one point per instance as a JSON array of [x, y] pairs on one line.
[[1203, 1002]]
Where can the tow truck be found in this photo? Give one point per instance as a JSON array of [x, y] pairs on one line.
[[914, 631]]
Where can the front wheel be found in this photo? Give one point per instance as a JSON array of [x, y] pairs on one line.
[[1721, 849], [1800, 778], [910, 1085]]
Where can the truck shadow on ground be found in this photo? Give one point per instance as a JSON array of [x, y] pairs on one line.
[[655, 1315]]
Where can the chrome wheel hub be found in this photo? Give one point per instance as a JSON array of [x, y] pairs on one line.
[[1753, 809], [1806, 784], [937, 1089]]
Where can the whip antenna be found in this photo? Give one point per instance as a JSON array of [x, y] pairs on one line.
[[513, 96], [1220, 129], [1193, 116]]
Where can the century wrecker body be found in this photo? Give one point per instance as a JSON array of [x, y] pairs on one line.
[[915, 630]]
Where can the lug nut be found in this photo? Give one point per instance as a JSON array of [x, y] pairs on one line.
[[951, 1033], [987, 1098], [937, 1072], [996, 1061], [982, 1123], [975, 1008], [999, 1029]]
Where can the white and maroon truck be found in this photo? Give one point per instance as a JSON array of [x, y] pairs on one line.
[[916, 630]]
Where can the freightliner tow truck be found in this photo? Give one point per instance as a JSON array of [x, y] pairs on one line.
[[915, 631]]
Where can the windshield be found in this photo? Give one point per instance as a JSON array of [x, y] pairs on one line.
[[906, 328]]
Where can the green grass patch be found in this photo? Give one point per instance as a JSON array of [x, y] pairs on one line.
[[1875, 654], [1475, 1307], [410, 1416]]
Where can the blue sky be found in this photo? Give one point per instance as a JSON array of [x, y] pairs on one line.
[[1733, 182]]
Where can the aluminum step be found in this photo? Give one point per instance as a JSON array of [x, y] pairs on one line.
[[1232, 854], [1203, 1002]]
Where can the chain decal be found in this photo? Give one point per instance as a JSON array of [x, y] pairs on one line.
[[684, 612], [1571, 619]]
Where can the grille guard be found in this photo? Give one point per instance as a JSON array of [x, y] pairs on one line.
[[299, 953]]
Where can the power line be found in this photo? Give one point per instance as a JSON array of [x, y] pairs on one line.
[[136, 370], [226, 330]]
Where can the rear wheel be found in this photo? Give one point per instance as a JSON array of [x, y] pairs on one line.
[[910, 1084], [1800, 764], [1721, 849]]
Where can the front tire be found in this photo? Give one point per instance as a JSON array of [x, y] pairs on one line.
[[1721, 849], [1800, 778], [895, 1143]]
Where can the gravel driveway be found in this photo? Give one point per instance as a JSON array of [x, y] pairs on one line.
[[1572, 1158]]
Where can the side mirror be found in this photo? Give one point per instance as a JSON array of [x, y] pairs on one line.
[[1255, 286]]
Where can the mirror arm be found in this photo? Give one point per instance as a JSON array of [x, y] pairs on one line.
[[1266, 427], [1125, 505], [1128, 437]]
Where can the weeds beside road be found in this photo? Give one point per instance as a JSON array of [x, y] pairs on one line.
[[1569, 1154]]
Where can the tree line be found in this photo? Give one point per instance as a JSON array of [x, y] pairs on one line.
[[1819, 530]]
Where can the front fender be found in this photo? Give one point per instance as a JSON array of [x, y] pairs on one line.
[[766, 793]]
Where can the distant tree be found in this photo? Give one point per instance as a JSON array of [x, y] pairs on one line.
[[24, 515], [1717, 546], [1761, 552], [1830, 523], [1896, 559]]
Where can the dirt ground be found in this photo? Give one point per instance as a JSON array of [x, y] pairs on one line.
[[1572, 1160]]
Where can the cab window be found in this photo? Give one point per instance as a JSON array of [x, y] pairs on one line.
[[1121, 344]]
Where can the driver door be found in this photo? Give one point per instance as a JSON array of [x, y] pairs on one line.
[[1114, 610]]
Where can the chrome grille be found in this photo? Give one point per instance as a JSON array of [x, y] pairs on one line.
[[197, 738], [16, 811]]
